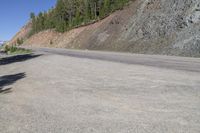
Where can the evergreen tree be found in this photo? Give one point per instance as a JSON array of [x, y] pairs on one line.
[[68, 14]]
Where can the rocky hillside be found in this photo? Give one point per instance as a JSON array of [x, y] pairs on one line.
[[170, 27], [23, 34]]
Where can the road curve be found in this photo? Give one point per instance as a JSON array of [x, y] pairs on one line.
[[168, 62]]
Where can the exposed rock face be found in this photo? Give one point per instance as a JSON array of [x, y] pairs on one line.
[[166, 27], [169, 27]]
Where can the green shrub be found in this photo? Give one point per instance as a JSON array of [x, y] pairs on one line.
[[51, 42], [20, 41], [15, 50]]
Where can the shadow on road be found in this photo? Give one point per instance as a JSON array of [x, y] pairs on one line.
[[17, 58], [9, 80]]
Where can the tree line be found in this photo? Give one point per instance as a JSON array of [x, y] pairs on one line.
[[68, 14]]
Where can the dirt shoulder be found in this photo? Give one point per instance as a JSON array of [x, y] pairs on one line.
[[58, 93]]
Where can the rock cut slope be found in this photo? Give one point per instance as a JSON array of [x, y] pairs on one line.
[[170, 27]]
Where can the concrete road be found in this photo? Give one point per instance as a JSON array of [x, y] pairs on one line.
[[67, 91]]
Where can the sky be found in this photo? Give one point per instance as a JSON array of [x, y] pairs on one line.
[[14, 14]]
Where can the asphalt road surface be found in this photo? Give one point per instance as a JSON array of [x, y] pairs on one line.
[[71, 91]]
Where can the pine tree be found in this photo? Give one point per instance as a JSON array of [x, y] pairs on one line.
[[68, 14]]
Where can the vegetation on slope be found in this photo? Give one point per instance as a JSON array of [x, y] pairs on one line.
[[13, 50], [69, 14]]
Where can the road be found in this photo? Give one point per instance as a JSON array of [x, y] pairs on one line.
[[75, 91]]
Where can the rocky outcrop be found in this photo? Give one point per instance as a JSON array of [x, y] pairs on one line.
[[165, 27], [170, 27]]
